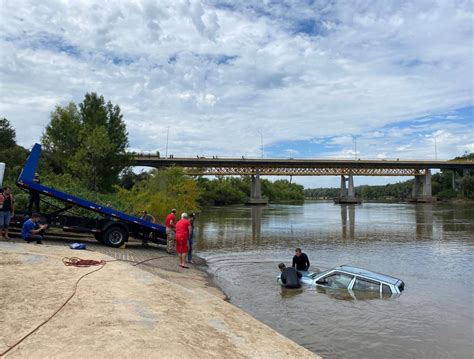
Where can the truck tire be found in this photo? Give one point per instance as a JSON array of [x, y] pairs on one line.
[[115, 236]]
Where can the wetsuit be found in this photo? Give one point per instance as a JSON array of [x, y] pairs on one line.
[[301, 262], [290, 278]]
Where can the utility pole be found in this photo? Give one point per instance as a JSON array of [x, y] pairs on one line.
[[355, 147], [167, 137]]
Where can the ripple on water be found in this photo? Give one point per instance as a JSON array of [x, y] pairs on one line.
[[429, 247]]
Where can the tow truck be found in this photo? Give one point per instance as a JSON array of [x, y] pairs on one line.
[[109, 226]]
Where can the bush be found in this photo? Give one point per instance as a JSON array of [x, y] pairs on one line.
[[447, 194]]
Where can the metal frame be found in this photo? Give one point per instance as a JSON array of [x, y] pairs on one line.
[[282, 171], [298, 167]]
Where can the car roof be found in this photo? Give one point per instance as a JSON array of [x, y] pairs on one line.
[[368, 273]]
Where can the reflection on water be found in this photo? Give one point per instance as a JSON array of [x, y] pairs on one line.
[[348, 234], [424, 220], [256, 223], [346, 294], [428, 246]]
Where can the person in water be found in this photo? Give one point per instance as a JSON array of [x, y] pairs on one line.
[[290, 277], [300, 260]]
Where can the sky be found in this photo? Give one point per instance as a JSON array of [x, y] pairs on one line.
[[305, 79]]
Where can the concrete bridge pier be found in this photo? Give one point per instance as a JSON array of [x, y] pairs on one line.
[[256, 192], [422, 190], [347, 195]]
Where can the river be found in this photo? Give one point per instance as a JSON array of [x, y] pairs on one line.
[[430, 247]]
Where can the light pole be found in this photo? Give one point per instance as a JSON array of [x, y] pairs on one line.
[[355, 147], [167, 137], [261, 140]]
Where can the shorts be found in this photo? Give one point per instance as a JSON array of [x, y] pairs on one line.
[[5, 217], [170, 233], [182, 246]]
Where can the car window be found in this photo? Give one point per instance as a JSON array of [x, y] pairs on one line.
[[337, 280], [366, 285], [386, 289]]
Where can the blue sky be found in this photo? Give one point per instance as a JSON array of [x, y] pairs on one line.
[[309, 78]]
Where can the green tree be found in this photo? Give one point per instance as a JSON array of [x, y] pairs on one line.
[[161, 191], [89, 143], [62, 137], [11, 154], [7, 134]]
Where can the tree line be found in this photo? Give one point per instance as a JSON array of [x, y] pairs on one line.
[[441, 183], [85, 154]]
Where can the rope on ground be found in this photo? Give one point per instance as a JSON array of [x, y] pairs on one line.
[[74, 261], [78, 262], [149, 259]]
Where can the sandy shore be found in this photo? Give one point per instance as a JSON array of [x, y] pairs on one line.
[[122, 311]]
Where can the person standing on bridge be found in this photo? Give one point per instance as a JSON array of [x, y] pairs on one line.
[[183, 231], [170, 231]]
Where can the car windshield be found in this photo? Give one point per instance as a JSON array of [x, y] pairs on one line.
[[336, 280]]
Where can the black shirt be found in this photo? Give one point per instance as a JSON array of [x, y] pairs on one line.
[[301, 262], [290, 278]]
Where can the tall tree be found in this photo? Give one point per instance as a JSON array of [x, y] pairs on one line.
[[7, 135], [62, 137], [13, 155], [88, 142]]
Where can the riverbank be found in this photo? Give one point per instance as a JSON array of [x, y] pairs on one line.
[[121, 311]]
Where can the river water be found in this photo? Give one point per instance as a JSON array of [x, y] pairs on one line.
[[430, 247]]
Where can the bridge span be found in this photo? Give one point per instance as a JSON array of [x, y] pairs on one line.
[[202, 166], [298, 167]]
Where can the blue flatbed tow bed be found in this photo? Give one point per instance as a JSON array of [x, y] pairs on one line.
[[113, 229]]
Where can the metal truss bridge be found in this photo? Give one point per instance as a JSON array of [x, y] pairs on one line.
[[298, 167]]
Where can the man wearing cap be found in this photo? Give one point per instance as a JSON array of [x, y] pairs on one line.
[[170, 231], [34, 197]]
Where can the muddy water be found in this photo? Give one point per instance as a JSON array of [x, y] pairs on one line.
[[430, 247]]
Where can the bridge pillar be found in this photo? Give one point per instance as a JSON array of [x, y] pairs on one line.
[[350, 188], [415, 193], [256, 191], [426, 195], [347, 195], [343, 191]]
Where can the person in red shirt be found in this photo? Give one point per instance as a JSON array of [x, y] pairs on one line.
[[183, 230], [170, 231]]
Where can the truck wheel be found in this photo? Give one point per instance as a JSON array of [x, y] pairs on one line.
[[99, 237], [115, 236]]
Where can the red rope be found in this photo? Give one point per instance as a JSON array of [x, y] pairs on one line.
[[74, 262], [78, 262]]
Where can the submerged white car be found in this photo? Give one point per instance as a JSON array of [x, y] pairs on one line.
[[353, 279]]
